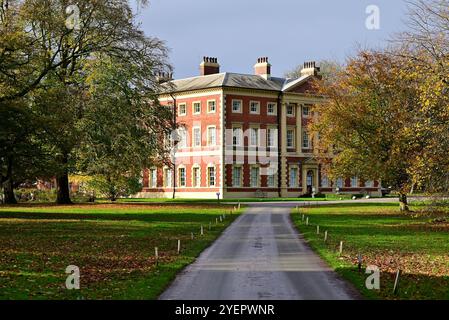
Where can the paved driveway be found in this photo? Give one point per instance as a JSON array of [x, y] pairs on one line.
[[260, 256]]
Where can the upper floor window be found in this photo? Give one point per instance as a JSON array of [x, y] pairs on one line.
[[211, 136], [182, 109], [254, 107], [182, 138], [196, 107], [290, 110], [211, 106], [306, 111], [237, 106], [291, 138], [197, 137], [271, 108], [237, 136], [254, 137], [305, 140], [272, 137]]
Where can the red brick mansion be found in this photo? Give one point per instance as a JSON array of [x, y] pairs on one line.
[[244, 136]]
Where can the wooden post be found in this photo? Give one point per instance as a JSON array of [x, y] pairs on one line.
[[341, 247], [239, 205], [302, 218], [202, 230], [396, 282], [216, 220], [325, 236], [210, 225], [179, 246], [221, 219], [156, 254], [317, 229], [307, 221], [191, 234]]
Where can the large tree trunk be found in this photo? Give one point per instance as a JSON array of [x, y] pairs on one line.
[[8, 185], [403, 203], [62, 184]]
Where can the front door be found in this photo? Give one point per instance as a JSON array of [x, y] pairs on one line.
[[309, 182]]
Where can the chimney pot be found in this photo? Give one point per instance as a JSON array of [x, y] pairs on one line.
[[263, 67], [209, 66]]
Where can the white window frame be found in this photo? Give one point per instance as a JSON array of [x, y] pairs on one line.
[[152, 181], [182, 185], [195, 168], [194, 145], [182, 136], [251, 185], [340, 183], [356, 180], [214, 142], [193, 107], [275, 136], [209, 167], [240, 131], [325, 178], [306, 107], [369, 183], [275, 106], [181, 114], [305, 135], [258, 107], [293, 138], [240, 108], [251, 129], [292, 169], [208, 106], [291, 115], [271, 174], [168, 172], [240, 182]]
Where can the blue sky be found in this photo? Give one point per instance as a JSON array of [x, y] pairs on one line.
[[289, 32]]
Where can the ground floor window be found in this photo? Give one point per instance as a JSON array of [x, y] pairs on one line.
[[271, 180], [182, 177], [324, 181], [354, 182], [196, 176], [211, 176], [340, 183], [369, 184], [293, 177], [254, 177], [237, 176], [168, 176], [153, 178]]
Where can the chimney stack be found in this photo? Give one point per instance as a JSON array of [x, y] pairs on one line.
[[263, 68], [209, 66], [164, 77], [310, 69]]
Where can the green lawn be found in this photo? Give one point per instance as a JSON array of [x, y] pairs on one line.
[[112, 244], [417, 244]]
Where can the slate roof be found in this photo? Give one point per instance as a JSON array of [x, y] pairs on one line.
[[233, 80]]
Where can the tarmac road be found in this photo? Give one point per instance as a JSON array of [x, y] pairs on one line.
[[259, 257]]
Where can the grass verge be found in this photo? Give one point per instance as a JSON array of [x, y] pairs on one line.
[[112, 244], [417, 244]]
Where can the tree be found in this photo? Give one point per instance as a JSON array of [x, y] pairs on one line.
[[364, 123], [106, 29]]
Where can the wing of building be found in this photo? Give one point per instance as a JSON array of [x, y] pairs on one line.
[[243, 136]]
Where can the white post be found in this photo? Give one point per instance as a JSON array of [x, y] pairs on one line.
[[179, 246], [325, 236], [202, 230], [317, 229], [396, 282], [303, 218], [156, 254], [341, 247], [221, 219], [210, 225], [239, 205], [216, 220], [191, 235], [307, 221]]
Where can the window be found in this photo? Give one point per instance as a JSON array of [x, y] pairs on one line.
[[305, 140], [354, 182], [153, 178], [211, 136], [237, 106], [293, 177], [290, 110], [182, 109], [182, 177], [291, 138], [237, 136], [254, 107], [271, 108], [182, 138], [197, 137], [271, 180], [211, 106], [306, 111], [272, 137], [168, 182], [211, 176], [254, 137], [196, 177], [236, 176], [254, 177], [340, 183], [196, 107], [324, 181], [369, 183]]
